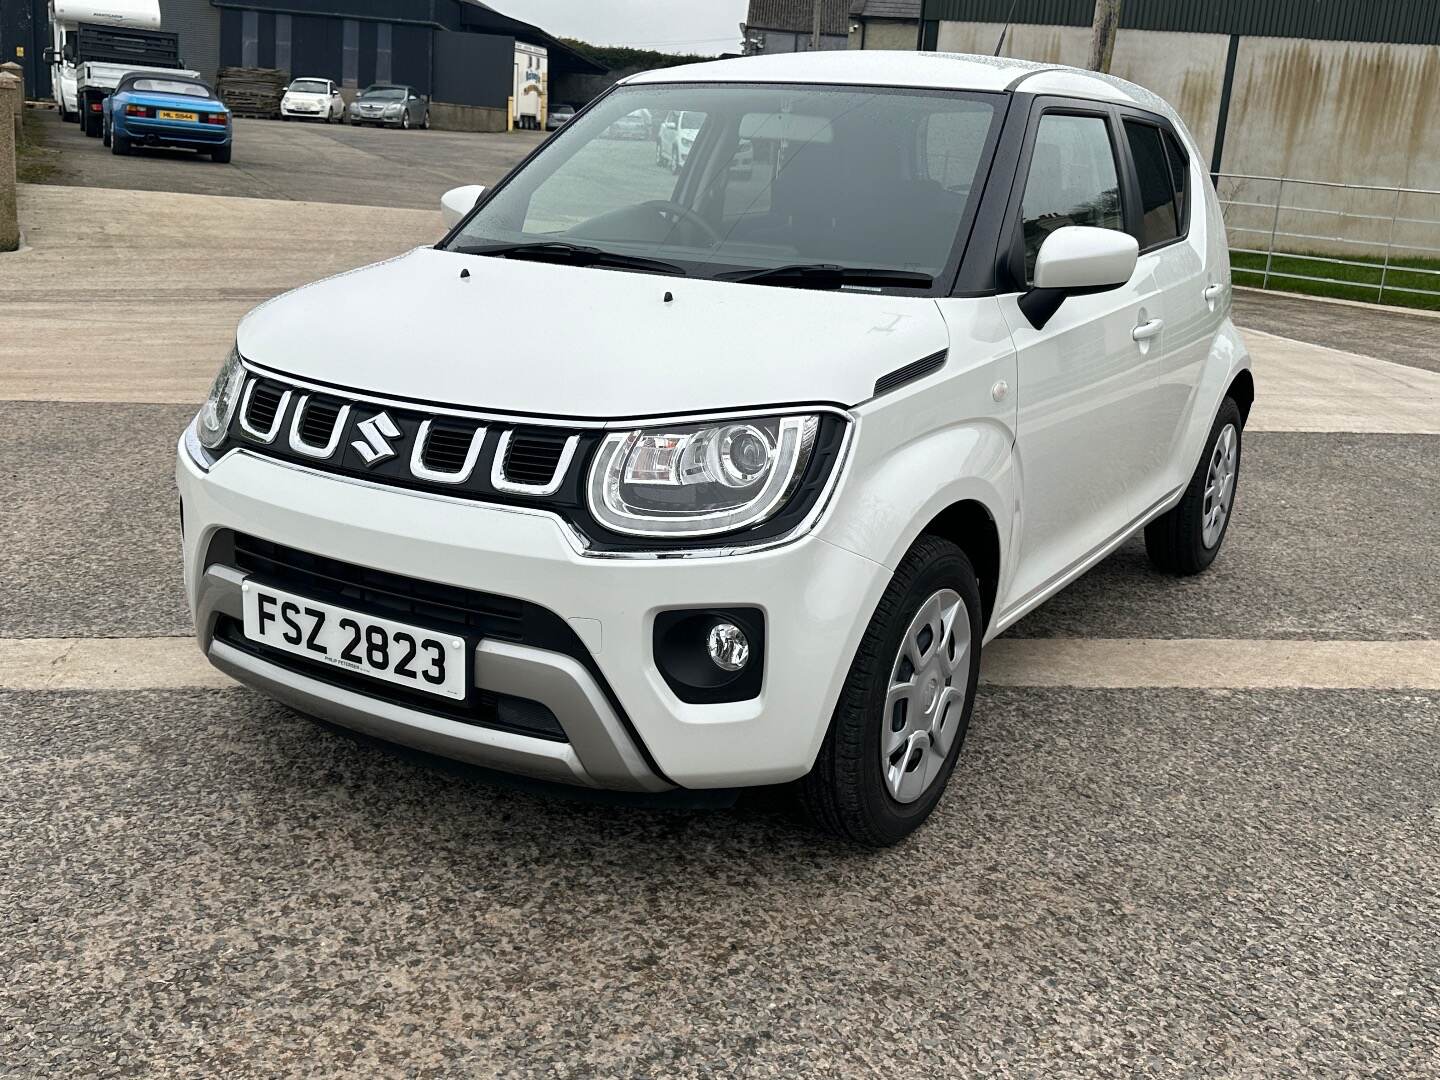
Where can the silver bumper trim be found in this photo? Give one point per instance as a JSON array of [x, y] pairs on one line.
[[600, 753]]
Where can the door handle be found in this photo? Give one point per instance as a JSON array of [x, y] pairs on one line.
[[1147, 330], [1212, 293]]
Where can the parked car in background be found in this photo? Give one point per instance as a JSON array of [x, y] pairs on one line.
[[312, 99], [633, 125], [559, 116], [168, 110], [833, 421], [677, 136], [385, 105]]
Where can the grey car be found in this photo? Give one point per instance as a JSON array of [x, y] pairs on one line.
[[387, 105]]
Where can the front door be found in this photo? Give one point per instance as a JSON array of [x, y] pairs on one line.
[[1087, 441]]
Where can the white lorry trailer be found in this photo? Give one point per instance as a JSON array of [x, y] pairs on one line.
[[106, 54], [63, 53], [532, 78]]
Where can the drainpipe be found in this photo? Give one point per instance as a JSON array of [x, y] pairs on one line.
[[1224, 118]]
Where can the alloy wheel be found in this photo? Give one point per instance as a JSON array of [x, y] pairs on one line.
[[1219, 485], [926, 698]]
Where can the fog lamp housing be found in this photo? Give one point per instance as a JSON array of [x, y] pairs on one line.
[[709, 655]]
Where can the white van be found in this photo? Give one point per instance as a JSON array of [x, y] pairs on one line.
[[65, 19]]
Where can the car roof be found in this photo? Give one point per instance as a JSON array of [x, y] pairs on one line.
[[925, 70]]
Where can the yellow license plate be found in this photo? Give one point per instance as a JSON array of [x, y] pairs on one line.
[[171, 114]]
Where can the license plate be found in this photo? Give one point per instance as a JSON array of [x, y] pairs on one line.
[[391, 651], [171, 114]]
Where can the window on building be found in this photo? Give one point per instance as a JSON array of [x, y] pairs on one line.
[[350, 53], [1158, 222], [282, 42], [249, 39], [1073, 181], [382, 52]]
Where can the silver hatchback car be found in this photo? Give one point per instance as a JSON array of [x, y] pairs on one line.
[[390, 106]]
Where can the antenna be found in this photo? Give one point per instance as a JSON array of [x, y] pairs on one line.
[[1009, 16]]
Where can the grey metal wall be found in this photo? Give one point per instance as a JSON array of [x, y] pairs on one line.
[[198, 24], [1415, 22]]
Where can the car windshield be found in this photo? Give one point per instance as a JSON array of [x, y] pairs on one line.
[[170, 86], [388, 94], [741, 178], [308, 86]]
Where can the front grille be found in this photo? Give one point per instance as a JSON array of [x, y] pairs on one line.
[[264, 401], [447, 447], [447, 609], [318, 423], [533, 455]]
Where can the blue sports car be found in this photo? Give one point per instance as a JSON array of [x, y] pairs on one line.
[[148, 109]]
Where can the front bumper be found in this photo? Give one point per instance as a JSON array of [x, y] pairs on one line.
[[626, 729]]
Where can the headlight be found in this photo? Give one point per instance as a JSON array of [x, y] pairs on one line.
[[393, 110], [697, 480], [214, 419]]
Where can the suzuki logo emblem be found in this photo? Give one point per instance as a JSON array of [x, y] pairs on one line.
[[374, 448]]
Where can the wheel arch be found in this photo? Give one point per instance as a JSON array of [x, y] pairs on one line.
[[970, 526], [1242, 389]]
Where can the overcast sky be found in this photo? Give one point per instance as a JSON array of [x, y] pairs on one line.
[[699, 26]]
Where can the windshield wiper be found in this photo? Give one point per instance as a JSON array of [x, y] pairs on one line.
[[571, 255], [831, 276]]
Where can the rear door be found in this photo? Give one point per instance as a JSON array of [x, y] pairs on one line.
[[1192, 294], [1086, 433]]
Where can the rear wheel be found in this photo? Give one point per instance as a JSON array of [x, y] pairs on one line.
[[221, 154], [1185, 539], [104, 132], [119, 144], [90, 122], [902, 715]]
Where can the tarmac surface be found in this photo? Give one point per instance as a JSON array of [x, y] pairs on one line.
[[302, 161], [1194, 831]]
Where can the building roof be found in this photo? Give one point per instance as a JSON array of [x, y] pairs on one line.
[[799, 16], [886, 9], [1401, 21], [486, 19]]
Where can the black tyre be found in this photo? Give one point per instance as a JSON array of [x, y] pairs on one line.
[[119, 144], [405, 120], [90, 123], [221, 154], [1185, 539], [104, 133], [902, 715]]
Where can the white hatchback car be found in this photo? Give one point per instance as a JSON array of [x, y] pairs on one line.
[[911, 342], [312, 99]]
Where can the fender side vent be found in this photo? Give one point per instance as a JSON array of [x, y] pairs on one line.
[[910, 372]]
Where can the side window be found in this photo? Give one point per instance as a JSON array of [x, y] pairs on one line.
[[1180, 171], [1158, 223], [1073, 181]]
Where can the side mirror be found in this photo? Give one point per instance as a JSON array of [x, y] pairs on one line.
[[1076, 260], [50, 56], [457, 202]]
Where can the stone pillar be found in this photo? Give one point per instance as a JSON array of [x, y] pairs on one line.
[[9, 110], [19, 73]]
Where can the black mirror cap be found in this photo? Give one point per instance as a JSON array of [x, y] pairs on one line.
[[1039, 305]]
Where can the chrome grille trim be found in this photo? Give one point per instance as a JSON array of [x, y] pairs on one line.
[[259, 436], [300, 446], [502, 483], [420, 471]]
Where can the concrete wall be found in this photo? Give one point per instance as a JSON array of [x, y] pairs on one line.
[[448, 117], [1187, 70], [1347, 112], [885, 34]]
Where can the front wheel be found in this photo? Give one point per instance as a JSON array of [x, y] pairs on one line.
[[903, 712], [1185, 539], [405, 121]]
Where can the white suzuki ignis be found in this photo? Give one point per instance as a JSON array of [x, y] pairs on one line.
[[906, 344]]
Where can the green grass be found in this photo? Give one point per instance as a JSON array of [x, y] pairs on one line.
[[36, 162], [1249, 270]]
